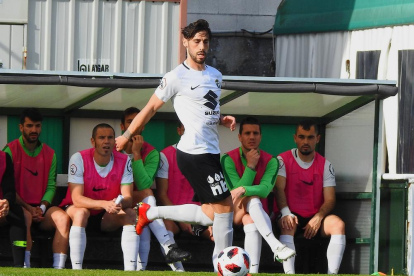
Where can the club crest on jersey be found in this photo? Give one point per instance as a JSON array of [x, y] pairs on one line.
[[163, 83], [217, 184], [73, 169], [218, 83]]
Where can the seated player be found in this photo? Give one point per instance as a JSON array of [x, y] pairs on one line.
[[250, 174], [96, 177], [305, 193], [35, 178]]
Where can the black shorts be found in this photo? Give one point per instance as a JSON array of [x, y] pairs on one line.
[[302, 223], [204, 173], [94, 221]]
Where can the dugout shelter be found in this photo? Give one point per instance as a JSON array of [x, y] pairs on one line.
[[348, 111]]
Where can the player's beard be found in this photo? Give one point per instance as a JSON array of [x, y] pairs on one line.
[[306, 152], [194, 57], [30, 139]]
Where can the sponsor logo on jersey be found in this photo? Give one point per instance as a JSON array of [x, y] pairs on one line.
[[211, 100], [218, 83], [217, 184], [163, 84], [307, 183], [73, 169], [32, 172], [97, 190], [192, 88], [212, 112], [212, 123]]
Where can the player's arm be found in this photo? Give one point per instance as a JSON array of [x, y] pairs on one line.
[[288, 220], [126, 192], [51, 184], [231, 175], [139, 121], [162, 190], [7, 182], [144, 172], [267, 182], [162, 181]]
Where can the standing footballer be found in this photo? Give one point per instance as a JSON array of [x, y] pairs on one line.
[[194, 89]]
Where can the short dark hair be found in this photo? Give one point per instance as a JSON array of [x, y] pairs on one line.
[[102, 125], [307, 124], [32, 113], [127, 112], [197, 26], [249, 121]]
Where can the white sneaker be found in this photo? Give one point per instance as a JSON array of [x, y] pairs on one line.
[[283, 253]]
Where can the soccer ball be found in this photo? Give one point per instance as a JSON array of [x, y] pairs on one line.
[[233, 261]]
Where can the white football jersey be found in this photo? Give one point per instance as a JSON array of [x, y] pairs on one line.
[[195, 96]]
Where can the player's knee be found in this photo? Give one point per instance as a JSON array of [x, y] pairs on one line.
[[130, 216], [62, 222], [81, 213], [336, 226], [247, 219]]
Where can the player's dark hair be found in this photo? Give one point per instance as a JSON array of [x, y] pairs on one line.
[[249, 121], [127, 112], [200, 25], [307, 125], [102, 125], [31, 113]]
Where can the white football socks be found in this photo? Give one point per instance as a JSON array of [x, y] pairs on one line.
[[27, 259], [144, 248], [77, 243], [177, 266], [262, 222], [189, 213], [223, 234], [289, 264], [157, 226], [335, 252], [253, 246], [129, 245], [59, 260]]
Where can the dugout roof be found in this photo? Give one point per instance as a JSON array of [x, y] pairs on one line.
[[105, 95]]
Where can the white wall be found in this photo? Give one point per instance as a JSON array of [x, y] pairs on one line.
[[233, 15], [349, 147]]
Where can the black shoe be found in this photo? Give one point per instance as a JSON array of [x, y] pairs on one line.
[[176, 254]]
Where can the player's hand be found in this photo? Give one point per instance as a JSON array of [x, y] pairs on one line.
[[289, 222], [137, 142], [252, 157], [111, 208], [237, 193], [120, 142], [37, 215], [311, 229], [186, 227], [228, 121], [4, 208]]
